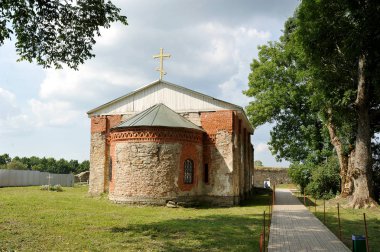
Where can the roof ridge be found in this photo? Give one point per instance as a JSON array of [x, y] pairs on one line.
[[158, 110], [159, 115]]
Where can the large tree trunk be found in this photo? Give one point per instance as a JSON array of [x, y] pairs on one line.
[[362, 196], [345, 160]]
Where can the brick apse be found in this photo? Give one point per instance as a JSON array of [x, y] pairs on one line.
[[165, 142]]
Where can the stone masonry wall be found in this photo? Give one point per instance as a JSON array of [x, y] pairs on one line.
[[99, 152], [145, 170], [222, 165], [275, 175], [218, 152], [151, 171]]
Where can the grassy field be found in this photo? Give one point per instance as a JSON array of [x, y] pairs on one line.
[[35, 220], [351, 220]]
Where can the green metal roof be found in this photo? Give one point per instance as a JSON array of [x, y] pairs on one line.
[[158, 115]]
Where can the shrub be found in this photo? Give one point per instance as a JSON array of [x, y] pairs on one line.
[[325, 180], [300, 174], [44, 187], [57, 188]]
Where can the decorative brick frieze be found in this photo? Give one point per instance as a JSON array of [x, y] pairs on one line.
[[156, 134]]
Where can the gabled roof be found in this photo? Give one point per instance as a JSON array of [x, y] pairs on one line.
[[177, 98], [158, 115], [231, 105]]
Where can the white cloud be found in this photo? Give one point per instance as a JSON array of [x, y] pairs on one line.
[[261, 147], [212, 44], [87, 83], [52, 113], [11, 117], [7, 102], [111, 36]]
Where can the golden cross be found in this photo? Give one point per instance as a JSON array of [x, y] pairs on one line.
[[161, 56]]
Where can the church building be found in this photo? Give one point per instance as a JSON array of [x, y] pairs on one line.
[[164, 142]]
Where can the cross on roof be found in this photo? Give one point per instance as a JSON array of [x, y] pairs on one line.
[[161, 56]]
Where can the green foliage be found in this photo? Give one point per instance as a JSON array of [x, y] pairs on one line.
[[16, 165], [4, 159], [258, 163], [325, 180], [300, 174], [56, 32], [318, 178], [46, 164], [279, 85], [307, 84]]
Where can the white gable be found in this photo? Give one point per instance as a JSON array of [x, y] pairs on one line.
[[177, 98]]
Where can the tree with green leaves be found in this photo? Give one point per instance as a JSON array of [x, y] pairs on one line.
[[56, 32], [258, 163], [5, 159], [16, 165], [311, 84], [341, 39]]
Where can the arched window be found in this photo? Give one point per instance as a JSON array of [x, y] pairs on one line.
[[189, 171]]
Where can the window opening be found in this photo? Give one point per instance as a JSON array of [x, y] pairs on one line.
[[206, 173], [189, 171]]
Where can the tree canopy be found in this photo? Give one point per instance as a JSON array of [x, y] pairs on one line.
[[56, 32], [319, 84], [43, 164]]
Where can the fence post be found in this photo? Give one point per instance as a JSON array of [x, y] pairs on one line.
[[264, 229], [324, 211], [366, 233], [269, 216], [261, 242], [340, 230]]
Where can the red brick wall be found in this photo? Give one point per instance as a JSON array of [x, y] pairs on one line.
[[219, 120], [189, 151], [101, 124], [98, 124]]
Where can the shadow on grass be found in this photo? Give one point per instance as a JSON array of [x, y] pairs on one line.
[[308, 202], [260, 197], [352, 226], [214, 232]]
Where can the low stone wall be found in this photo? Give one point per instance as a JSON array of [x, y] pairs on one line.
[[275, 175]]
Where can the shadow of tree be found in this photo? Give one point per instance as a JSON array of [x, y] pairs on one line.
[[208, 233], [352, 224]]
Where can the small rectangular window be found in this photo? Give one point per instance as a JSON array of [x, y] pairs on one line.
[[206, 174]]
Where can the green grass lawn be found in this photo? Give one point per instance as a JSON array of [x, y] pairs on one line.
[[351, 220], [286, 186], [35, 220]]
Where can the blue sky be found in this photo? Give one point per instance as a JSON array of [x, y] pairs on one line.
[[212, 43]]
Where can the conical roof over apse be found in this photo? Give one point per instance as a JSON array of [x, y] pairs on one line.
[[158, 115]]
